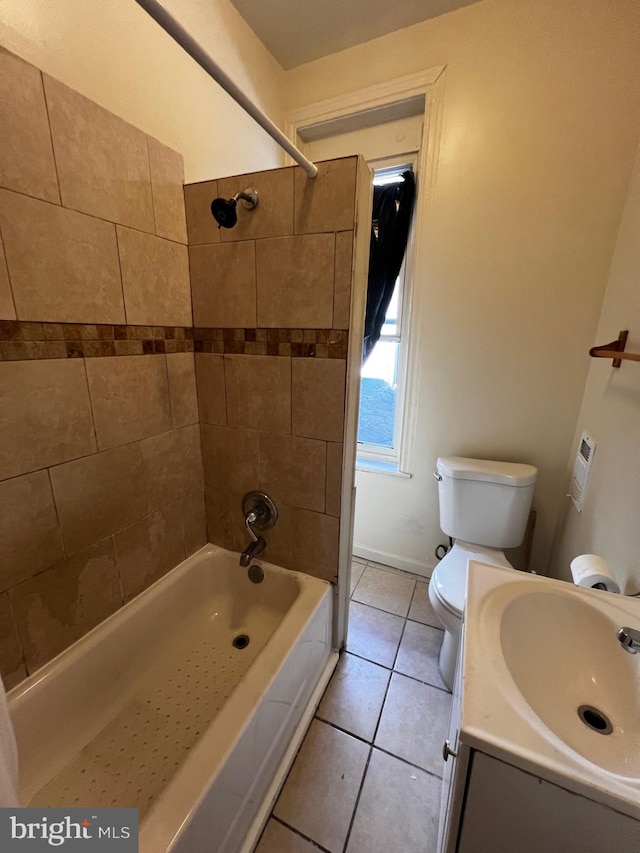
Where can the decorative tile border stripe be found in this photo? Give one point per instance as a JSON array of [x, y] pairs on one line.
[[296, 343], [21, 340]]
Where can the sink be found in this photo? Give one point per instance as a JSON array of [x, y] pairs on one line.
[[548, 687], [564, 658]]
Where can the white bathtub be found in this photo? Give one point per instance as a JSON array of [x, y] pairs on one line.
[[156, 709]]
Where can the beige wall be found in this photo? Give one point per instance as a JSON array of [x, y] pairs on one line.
[[540, 126], [271, 313], [115, 54], [608, 524], [101, 482]]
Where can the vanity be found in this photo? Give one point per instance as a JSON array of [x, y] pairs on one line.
[[543, 749]]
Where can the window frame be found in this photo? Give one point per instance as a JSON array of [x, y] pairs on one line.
[[372, 457]]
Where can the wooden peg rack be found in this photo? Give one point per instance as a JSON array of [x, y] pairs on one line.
[[615, 350]]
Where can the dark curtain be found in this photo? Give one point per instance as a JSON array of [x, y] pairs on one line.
[[392, 209]]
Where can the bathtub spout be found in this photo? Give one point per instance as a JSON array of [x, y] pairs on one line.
[[252, 550]]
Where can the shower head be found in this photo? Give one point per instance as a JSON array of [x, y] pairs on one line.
[[224, 210]]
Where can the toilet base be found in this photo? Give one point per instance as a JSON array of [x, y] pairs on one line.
[[448, 658]]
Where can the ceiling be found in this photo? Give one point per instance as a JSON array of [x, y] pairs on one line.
[[298, 31]]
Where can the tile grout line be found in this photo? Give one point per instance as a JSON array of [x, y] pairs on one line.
[[357, 801], [298, 833]]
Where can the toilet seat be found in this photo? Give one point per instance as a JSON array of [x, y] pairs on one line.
[[450, 576]]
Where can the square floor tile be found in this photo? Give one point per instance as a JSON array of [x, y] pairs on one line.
[[421, 609], [373, 634], [320, 793], [353, 699], [385, 589], [356, 573], [414, 722], [277, 838], [418, 653], [398, 809]]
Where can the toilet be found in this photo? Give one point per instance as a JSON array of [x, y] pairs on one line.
[[484, 507]]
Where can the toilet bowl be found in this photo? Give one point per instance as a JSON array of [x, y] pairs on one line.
[[484, 507], [447, 592]]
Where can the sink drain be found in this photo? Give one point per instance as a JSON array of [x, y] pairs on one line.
[[595, 719], [241, 641]]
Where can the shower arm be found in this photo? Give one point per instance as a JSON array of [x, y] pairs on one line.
[[178, 33]]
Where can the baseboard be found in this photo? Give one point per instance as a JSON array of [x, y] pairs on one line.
[[405, 564]]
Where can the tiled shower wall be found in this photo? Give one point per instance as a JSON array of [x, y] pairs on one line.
[[271, 301], [102, 431], [101, 484]]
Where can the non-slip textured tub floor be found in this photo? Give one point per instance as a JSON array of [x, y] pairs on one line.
[[132, 759]]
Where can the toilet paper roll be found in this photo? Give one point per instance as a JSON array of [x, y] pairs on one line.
[[589, 569]]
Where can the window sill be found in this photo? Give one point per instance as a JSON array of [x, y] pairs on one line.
[[374, 466]]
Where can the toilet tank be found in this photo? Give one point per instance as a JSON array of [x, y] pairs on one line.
[[484, 502]]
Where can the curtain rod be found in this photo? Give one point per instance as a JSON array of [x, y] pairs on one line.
[[178, 33]]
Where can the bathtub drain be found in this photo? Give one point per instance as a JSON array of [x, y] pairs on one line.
[[241, 641]]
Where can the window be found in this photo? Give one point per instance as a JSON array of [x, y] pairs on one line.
[[382, 390]]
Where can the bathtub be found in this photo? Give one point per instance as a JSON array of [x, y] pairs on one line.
[[156, 708]]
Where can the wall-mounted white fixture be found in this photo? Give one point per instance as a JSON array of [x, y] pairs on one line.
[[582, 470]]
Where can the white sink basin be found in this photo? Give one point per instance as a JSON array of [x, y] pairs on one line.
[[548, 686], [563, 656]]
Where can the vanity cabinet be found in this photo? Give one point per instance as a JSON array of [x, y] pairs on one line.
[[491, 806], [508, 810]]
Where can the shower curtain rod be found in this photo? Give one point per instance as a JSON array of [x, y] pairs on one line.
[[178, 33]]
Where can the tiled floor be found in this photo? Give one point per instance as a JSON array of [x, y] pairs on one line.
[[368, 774]]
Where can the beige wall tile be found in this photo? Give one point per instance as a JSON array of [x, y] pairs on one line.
[[63, 265], [59, 606], [45, 416], [26, 155], [155, 279], [12, 679], [11, 660], [273, 217], [194, 522], [295, 281], [182, 388], [29, 533], [192, 456], [258, 392], [223, 284], [212, 399], [230, 459], [129, 397], [218, 510], [103, 162], [342, 283], [165, 473], [314, 544], [334, 479], [99, 495], [201, 226], [317, 397], [7, 307], [149, 549], [326, 202], [173, 465], [293, 470], [167, 186]]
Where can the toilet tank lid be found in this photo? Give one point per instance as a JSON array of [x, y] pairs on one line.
[[507, 473]]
